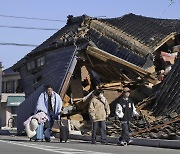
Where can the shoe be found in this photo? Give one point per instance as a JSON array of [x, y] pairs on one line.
[[47, 139], [52, 137], [104, 143], [130, 141], [123, 143], [93, 142]]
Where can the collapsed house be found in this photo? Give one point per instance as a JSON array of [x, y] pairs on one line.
[[134, 51]]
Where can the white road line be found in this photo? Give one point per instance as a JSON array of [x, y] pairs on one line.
[[54, 149]]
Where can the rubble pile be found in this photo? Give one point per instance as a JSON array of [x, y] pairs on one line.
[[167, 128]]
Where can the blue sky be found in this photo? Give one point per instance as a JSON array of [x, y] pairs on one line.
[[60, 9]]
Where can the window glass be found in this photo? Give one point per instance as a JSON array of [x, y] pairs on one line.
[[3, 87], [10, 87], [40, 61], [30, 65]]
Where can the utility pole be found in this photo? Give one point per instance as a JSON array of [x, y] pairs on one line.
[[0, 89]]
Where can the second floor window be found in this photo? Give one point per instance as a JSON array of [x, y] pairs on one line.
[[40, 61], [36, 63], [30, 65]]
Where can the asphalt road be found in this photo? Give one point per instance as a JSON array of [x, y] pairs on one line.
[[21, 145]]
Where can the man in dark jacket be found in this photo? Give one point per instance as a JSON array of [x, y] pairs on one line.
[[125, 110]]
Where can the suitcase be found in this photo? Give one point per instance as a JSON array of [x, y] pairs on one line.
[[39, 133], [64, 133]]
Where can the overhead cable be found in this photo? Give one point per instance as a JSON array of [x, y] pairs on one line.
[[17, 44], [29, 18], [32, 28], [170, 4]]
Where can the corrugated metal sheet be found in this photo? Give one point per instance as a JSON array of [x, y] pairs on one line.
[[168, 94]]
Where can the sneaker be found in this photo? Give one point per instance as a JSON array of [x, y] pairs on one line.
[[104, 143], [123, 143], [130, 141], [93, 142], [47, 139], [52, 137]]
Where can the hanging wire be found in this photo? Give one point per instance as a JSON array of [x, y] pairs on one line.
[[29, 18], [170, 4], [18, 44], [31, 28]]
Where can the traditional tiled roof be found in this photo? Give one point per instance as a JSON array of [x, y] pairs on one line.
[[55, 38], [112, 47], [148, 31]]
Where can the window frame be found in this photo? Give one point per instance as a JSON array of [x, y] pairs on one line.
[[12, 90], [40, 61], [29, 65]]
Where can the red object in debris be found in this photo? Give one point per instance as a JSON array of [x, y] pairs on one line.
[[162, 77]]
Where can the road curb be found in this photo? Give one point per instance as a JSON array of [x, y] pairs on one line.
[[173, 144]]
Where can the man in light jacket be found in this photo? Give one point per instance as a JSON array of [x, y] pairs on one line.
[[125, 110], [50, 103], [99, 111]]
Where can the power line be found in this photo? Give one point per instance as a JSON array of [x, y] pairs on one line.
[[170, 4], [18, 44], [32, 28], [29, 18]]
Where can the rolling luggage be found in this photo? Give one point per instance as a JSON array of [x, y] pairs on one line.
[[39, 133], [64, 133]]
